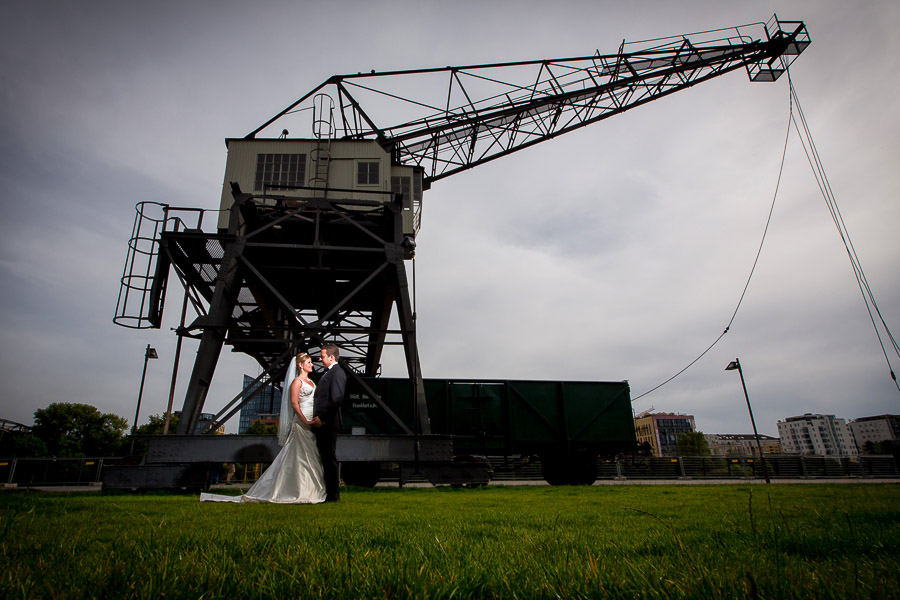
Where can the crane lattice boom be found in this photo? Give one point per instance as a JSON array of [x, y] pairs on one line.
[[450, 119]]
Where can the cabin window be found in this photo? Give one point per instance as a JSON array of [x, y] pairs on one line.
[[401, 185], [417, 188], [280, 169], [410, 187], [367, 173]]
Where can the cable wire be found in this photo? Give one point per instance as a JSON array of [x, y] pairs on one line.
[[862, 282], [755, 261], [815, 162]]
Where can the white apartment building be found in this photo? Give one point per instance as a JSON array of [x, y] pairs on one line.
[[815, 434], [875, 429]]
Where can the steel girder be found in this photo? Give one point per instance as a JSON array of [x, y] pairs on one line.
[[289, 275]]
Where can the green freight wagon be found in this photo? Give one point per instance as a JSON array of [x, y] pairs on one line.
[[567, 424]]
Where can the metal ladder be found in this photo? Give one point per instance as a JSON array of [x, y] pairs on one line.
[[323, 131]]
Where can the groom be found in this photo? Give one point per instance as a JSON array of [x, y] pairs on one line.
[[327, 418]]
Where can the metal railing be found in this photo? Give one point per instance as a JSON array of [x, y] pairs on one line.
[[717, 467], [55, 471], [750, 467], [89, 471]]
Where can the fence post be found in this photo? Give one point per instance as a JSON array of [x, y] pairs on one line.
[[12, 470], [99, 468]]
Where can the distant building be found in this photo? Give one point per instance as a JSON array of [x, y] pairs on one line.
[[815, 434], [875, 429], [264, 406], [741, 444], [203, 423], [661, 430], [267, 419], [207, 419]]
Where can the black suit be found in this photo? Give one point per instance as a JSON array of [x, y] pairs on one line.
[[327, 406]]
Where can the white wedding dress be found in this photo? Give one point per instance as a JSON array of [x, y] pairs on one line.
[[295, 476]]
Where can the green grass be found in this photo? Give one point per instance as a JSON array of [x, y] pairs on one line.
[[703, 541]]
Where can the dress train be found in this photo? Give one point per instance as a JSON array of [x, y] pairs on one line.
[[295, 476]]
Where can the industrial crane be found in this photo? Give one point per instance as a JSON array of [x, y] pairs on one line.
[[313, 233]]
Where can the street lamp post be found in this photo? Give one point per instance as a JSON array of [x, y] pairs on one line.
[[148, 354], [736, 364]]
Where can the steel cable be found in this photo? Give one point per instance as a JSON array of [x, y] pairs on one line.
[[862, 282], [821, 178], [755, 261]]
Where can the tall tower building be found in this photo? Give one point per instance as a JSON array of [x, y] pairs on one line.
[[264, 406]]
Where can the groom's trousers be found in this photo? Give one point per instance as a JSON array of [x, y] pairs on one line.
[[326, 441]]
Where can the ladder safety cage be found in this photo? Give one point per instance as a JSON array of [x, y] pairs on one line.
[[142, 289]]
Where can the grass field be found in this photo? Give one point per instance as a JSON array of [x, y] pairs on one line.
[[725, 541]]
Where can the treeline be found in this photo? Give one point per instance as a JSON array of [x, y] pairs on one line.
[[76, 430]]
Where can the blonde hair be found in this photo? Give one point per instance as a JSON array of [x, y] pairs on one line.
[[302, 357]]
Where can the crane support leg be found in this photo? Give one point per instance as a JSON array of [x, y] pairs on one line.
[[380, 321], [215, 327], [215, 323], [410, 348], [395, 255]]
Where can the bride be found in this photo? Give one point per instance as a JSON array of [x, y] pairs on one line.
[[295, 476]]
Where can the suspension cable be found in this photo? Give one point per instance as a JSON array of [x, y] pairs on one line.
[[821, 178], [755, 261], [868, 295]]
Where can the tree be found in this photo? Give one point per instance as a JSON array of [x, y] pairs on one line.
[[22, 445], [692, 443], [260, 428], [78, 430], [884, 447], [157, 424]]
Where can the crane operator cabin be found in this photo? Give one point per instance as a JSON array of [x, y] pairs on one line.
[[318, 168]]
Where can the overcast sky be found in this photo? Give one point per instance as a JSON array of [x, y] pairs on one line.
[[617, 252]]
